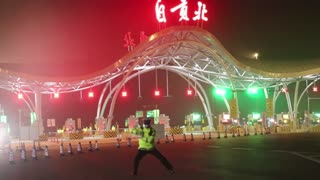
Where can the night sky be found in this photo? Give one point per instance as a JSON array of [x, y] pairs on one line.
[[48, 37]]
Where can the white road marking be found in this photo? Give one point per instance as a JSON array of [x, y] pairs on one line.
[[306, 157], [282, 151], [240, 148], [315, 156], [214, 146]]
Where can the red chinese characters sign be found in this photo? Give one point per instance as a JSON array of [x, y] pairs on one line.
[[182, 8]]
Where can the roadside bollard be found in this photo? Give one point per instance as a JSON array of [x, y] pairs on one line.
[[96, 146], [167, 139], [34, 153], [79, 147], [90, 147], [172, 138], [46, 152], [118, 143], [61, 149], [70, 151], [129, 142], [11, 155], [23, 155]]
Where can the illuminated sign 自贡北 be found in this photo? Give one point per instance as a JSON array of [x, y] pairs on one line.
[[199, 14]]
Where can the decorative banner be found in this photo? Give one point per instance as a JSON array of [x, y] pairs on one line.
[[269, 107], [182, 8], [233, 108]]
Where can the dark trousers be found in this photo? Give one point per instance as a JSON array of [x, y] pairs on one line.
[[141, 153]]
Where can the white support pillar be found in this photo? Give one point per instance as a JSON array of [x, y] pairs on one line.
[[38, 110], [295, 105]]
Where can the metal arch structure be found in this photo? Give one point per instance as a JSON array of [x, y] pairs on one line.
[[185, 50], [194, 51]]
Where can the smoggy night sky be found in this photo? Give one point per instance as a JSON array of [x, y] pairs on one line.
[[60, 33], [74, 37]]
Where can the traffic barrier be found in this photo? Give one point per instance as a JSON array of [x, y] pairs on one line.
[[79, 147], [34, 153], [167, 139], [109, 134], [11, 156], [172, 138], [176, 130], [90, 147], [96, 147], [61, 150], [43, 137], [192, 139], [46, 151], [129, 142], [218, 136], [209, 135], [23, 155], [70, 150], [184, 137], [118, 143], [203, 135], [76, 135]]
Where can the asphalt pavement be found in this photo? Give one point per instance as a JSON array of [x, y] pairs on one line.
[[268, 156]]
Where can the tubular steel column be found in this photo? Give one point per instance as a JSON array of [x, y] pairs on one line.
[[295, 105], [37, 99]]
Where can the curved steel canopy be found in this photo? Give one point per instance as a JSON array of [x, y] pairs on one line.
[[186, 50], [183, 47]]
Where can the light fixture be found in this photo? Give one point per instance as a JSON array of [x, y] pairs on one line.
[[56, 95]]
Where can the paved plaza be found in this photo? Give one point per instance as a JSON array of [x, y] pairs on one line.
[[282, 156]]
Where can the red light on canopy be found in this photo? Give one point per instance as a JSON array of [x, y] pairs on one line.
[[315, 89], [56, 95], [124, 93], [156, 93], [20, 95], [284, 89], [189, 92], [91, 94]]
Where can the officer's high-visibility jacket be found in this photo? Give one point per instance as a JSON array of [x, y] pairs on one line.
[[147, 135]]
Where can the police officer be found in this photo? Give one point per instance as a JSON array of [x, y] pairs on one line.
[[146, 146]]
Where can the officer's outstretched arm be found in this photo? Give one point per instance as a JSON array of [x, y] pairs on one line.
[[136, 130]]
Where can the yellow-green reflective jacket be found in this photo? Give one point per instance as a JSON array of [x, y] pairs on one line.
[[147, 135]]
